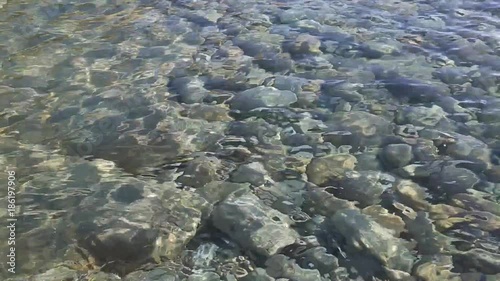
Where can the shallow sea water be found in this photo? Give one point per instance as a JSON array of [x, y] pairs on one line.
[[250, 140]]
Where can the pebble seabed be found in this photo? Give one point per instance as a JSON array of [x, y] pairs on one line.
[[252, 140]]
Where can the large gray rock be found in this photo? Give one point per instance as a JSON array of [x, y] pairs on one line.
[[280, 266], [130, 234], [210, 113], [366, 235], [397, 155], [292, 15], [323, 170], [64, 273], [422, 229], [436, 267], [289, 83], [259, 274], [253, 173], [366, 187], [253, 224], [201, 171], [58, 273], [190, 89], [452, 180], [367, 128], [217, 191], [476, 201], [422, 116], [415, 91], [480, 260], [157, 274], [317, 258], [262, 97], [469, 148], [342, 89], [324, 203], [204, 276], [303, 44]]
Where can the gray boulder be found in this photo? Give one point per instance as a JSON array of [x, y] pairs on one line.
[[303, 44], [368, 128], [422, 116], [259, 274], [58, 273], [157, 274], [190, 89], [366, 187], [262, 97], [217, 191], [364, 234], [253, 173], [150, 228], [397, 155], [254, 225], [328, 168], [205, 276], [281, 266], [453, 180], [201, 171]]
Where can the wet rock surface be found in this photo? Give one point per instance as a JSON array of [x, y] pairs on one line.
[[262, 97], [251, 140], [327, 169], [364, 234], [258, 227]]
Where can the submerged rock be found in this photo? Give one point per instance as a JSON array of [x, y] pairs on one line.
[[148, 229], [412, 194], [415, 91], [316, 257], [421, 116], [157, 274], [434, 268], [344, 90], [190, 89], [323, 202], [217, 191], [392, 222], [324, 170], [429, 241], [467, 147], [452, 180], [397, 155], [253, 173], [475, 201], [280, 266], [259, 274], [210, 113], [368, 128], [366, 235], [254, 225], [303, 44], [58, 273], [292, 15], [365, 187], [201, 171], [204, 276], [479, 259], [262, 97]]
